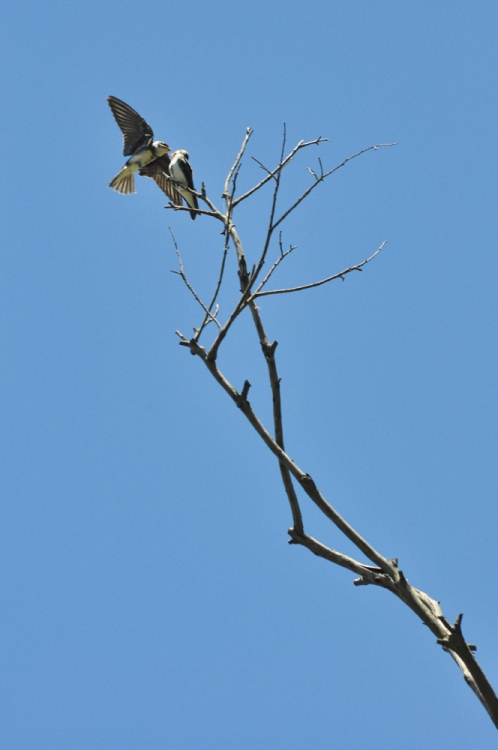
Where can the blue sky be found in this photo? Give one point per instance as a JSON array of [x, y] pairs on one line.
[[149, 597]]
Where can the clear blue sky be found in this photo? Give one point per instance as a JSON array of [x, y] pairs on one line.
[[149, 597]]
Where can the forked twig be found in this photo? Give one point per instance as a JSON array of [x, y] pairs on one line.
[[189, 286], [237, 161], [216, 291], [283, 254], [279, 167], [384, 572], [324, 176], [339, 275]]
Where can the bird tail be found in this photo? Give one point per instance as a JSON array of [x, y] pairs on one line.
[[191, 200], [194, 204], [123, 183]]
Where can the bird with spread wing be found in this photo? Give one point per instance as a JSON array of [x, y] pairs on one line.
[[149, 158]]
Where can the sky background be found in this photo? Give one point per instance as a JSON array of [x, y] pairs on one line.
[[149, 596]]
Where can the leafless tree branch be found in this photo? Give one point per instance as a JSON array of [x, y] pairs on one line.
[[265, 169], [190, 209], [268, 350], [237, 161], [181, 273], [384, 573], [339, 275], [274, 266], [323, 176], [283, 163], [216, 291]]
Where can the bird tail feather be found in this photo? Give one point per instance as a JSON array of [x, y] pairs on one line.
[[124, 184], [191, 200]]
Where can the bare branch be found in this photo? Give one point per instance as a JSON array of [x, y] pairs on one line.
[[386, 574], [269, 233], [339, 275], [274, 266], [245, 389], [319, 549], [279, 167], [269, 354], [383, 573], [181, 273], [304, 479], [216, 291], [245, 288], [216, 214], [268, 171], [236, 163], [211, 205], [324, 176]]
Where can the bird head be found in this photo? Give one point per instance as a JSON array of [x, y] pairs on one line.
[[161, 148]]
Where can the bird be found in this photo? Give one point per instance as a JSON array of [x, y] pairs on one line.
[[148, 157], [181, 171]]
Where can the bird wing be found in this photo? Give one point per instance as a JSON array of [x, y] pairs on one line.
[[187, 171], [136, 132], [158, 170], [191, 199]]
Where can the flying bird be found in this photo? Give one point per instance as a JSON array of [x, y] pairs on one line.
[[148, 157], [181, 171]]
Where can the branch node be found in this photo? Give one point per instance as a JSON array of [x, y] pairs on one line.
[[307, 481], [245, 390], [455, 641]]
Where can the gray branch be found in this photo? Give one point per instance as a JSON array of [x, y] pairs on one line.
[[183, 275], [383, 573], [339, 275]]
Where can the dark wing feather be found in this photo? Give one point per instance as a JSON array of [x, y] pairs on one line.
[[187, 171], [158, 170], [189, 176], [136, 132]]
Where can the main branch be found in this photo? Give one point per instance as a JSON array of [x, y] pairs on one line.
[[384, 572]]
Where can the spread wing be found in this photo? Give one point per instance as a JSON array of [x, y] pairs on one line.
[[136, 132], [158, 170]]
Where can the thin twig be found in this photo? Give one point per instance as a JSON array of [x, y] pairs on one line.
[[195, 210], [210, 203], [216, 291], [339, 275], [279, 167], [268, 171], [269, 233], [181, 273], [324, 176], [236, 163], [245, 288], [274, 266], [338, 558]]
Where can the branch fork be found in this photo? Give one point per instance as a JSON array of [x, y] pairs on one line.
[[382, 571]]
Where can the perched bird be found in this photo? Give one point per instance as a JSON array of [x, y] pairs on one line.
[[181, 171], [147, 156]]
